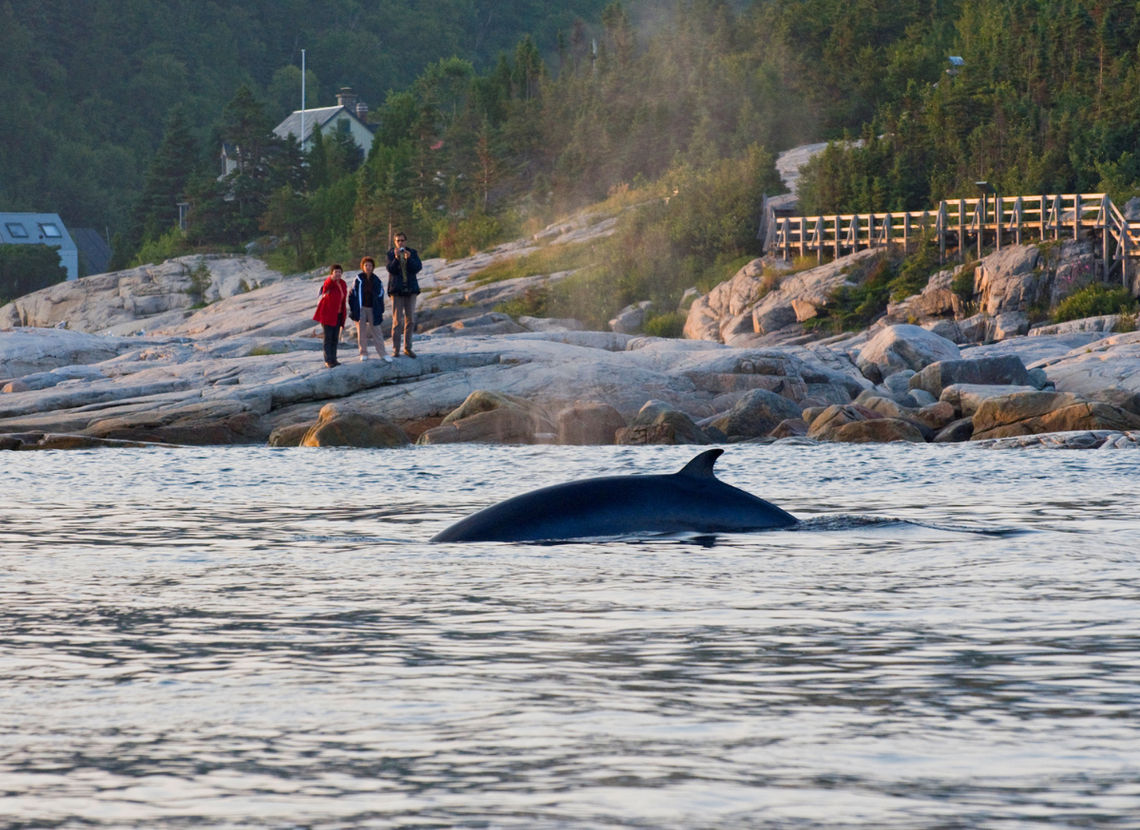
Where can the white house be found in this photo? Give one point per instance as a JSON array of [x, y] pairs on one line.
[[347, 116], [41, 229]]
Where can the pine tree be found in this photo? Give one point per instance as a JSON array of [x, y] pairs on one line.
[[156, 211]]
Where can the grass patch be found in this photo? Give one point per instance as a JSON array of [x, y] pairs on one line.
[[1095, 300]]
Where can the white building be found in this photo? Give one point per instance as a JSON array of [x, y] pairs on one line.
[[346, 117], [41, 229]]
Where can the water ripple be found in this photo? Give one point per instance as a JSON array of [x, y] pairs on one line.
[[241, 642]]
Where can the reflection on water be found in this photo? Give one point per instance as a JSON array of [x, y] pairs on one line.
[[254, 637]]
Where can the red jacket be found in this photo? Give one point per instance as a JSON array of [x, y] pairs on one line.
[[332, 307]]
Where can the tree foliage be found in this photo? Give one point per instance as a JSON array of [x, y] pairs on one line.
[[28, 268], [492, 117]]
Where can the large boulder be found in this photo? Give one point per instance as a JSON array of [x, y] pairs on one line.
[[658, 423], [965, 398], [338, 426], [879, 431], [900, 347], [998, 370], [1017, 278], [825, 425], [631, 318], [486, 416], [1031, 413], [508, 425], [1109, 362], [588, 423], [755, 414]]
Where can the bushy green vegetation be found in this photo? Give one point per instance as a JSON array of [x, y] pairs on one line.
[[28, 268], [874, 282], [1093, 301], [1044, 102]]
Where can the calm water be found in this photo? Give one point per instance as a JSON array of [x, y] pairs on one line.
[[248, 637]]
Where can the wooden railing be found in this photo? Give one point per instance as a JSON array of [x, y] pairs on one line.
[[967, 224]]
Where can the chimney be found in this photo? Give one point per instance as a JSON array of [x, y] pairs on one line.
[[362, 111], [346, 98]]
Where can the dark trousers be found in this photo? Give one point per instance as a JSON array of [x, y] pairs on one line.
[[332, 336], [403, 320]]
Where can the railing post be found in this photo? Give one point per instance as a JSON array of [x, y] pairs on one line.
[[962, 229], [1103, 221], [997, 223]]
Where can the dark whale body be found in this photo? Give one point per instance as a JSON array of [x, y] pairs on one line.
[[692, 500]]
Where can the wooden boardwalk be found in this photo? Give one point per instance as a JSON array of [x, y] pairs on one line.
[[966, 227]]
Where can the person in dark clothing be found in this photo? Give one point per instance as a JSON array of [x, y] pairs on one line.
[[331, 311], [403, 287], [366, 307]]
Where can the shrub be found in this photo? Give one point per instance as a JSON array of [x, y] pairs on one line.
[[1094, 301], [857, 306], [963, 283], [470, 235], [171, 244], [532, 303], [916, 270], [669, 324]]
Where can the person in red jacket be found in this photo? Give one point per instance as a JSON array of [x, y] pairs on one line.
[[331, 311]]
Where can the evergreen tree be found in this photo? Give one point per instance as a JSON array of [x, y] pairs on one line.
[[167, 176]]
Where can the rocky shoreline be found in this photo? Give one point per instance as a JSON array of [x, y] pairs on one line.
[[139, 362]]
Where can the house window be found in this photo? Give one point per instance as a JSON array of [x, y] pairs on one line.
[[16, 230], [50, 229], [342, 126]]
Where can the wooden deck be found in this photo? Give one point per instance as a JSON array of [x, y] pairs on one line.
[[966, 227]]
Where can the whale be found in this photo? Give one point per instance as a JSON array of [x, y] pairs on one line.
[[692, 500]]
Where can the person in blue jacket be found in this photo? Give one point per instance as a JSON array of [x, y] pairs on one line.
[[403, 287], [366, 307]]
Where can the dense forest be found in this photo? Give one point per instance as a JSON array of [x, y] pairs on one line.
[[495, 117]]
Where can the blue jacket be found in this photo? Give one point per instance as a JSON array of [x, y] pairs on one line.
[[356, 297], [397, 285]]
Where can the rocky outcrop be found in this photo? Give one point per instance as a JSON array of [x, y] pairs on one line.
[[658, 423], [755, 415], [1031, 413], [165, 293], [763, 298], [247, 368], [489, 417]]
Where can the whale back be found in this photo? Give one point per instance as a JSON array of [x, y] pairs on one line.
[[690, 500]]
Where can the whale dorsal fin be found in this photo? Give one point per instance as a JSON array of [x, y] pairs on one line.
[[702, 465]]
